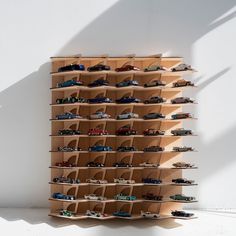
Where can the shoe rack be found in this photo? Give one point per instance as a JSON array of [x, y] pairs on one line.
[[166, 172]]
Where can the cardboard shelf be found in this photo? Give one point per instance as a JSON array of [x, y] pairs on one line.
[[122, 104], [184, 218], [109, 217], [123, 184], [133, 152], [118, 168], [125, 120], [121, 136], [140, 73], [125, 201], [165, 171], [86, 88], [77, 217]]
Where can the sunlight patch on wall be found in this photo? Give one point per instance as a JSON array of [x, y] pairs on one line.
[[213, 56], [219, 187]]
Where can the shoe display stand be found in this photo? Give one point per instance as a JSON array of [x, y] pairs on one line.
[[166, 172]]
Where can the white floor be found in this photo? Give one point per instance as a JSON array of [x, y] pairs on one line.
[[34, 222]]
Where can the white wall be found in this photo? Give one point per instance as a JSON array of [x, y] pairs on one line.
[[31, 31]]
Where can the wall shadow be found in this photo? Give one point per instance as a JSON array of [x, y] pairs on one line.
[[25, 144], [144, 27], [129, 26]]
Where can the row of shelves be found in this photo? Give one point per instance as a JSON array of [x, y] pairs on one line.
[[107, 210], [113, 200], [120, 177], [124, 120], [112, 72], [121, 136], [123, 104], [108, 193], [116, 62], [116, 152], [164, 184], [113, 88], [122, 144], [130, 152], [132, 168], [133, 56], [110, 217], [116, 109], [107, 161]]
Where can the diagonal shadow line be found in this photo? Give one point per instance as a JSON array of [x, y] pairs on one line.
[[222, 21], [213, 78], [196, 80]]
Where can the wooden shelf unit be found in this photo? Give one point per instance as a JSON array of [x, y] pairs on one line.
[[165, 159]]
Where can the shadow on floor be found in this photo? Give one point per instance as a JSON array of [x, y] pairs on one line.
[[39, 216]]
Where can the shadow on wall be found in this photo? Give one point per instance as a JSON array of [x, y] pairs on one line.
[[147, 27], [128, 26], [210, 80], [24, 115]]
